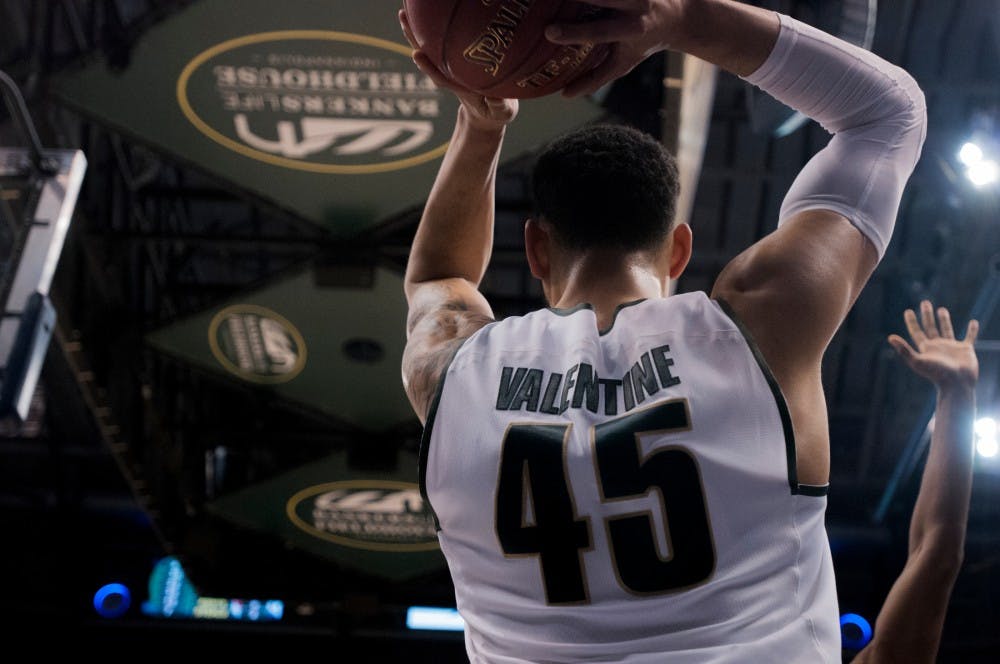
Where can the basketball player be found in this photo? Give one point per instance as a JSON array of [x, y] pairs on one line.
[[909, 625], [627, 475]]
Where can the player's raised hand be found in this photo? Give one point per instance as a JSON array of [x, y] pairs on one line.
[[484, 112], [936, 354], [634, 30]]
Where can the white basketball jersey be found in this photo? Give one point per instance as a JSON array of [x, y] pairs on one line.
[[627, 495]]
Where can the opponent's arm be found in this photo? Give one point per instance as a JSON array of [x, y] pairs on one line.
[[908, 628], [454, 239]]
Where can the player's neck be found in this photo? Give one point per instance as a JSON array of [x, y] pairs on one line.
[[605, 285]]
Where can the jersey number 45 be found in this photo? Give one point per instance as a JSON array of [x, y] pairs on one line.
[[533, 473]]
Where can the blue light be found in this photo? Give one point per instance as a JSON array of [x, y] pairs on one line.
[[434, 618], [854, 642], [274, 608], [112, 600]]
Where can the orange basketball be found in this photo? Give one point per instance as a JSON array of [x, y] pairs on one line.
[[498, 47]]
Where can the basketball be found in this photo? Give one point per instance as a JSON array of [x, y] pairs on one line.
[[498, 47]]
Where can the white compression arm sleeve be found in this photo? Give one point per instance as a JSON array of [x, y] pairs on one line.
[[876, 113]]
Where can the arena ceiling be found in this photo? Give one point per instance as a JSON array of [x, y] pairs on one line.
[[147, 441]]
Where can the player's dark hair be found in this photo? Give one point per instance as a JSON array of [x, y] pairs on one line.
[[606, 186]]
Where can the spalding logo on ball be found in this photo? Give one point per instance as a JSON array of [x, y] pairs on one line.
[[498, 47]]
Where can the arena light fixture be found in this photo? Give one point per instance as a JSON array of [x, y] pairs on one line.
[[983, 173], [855, 631], [986, 437], [112, 600], [434, 618], [970, 154], [979, 168]]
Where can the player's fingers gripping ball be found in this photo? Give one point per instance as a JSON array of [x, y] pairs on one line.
[[498, 47]]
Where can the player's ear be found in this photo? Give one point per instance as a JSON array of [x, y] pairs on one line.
[[680, 249], [538, 247]]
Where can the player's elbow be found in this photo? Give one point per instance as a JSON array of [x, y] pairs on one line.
[[906, 106], [913, 102], [947, 558], [941, 551], [410, 289], [896, 114]]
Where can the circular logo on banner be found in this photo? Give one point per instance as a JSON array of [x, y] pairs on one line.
[[316, 100], [377, 515], [257, 344]]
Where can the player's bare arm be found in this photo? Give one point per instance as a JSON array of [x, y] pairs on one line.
[[453, 243], [443, 313], [793, 288], [824, 257], [908, 628]]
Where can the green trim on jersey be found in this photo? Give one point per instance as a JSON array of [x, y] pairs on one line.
[[425, 437], [571, 310], [779, 398], [587, 305]]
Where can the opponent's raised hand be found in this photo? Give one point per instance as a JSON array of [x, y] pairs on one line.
[[936, 354], [483, 112]]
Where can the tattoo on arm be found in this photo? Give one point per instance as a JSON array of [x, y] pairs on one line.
[[435, 334], [425, 372]]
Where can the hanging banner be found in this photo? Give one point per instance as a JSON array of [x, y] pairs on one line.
[[314, 107], [335, 349], [373, 521]]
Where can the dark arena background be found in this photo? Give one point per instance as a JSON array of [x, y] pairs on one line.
[[206, 212]]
